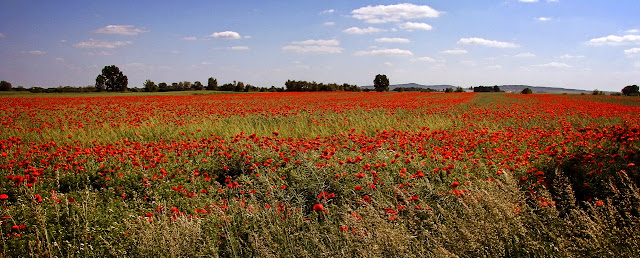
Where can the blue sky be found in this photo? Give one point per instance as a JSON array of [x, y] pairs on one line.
[[586, 44]]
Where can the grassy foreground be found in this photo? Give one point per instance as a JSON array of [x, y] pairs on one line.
[[320, 174]]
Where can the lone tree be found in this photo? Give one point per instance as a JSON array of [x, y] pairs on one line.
[[212, 84], [526, 91], [111, 79], [150, 86], [631, 90], [381, 83], [5, 86]]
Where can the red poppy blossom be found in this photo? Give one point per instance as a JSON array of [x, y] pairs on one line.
[[318, 207], [4, 197]]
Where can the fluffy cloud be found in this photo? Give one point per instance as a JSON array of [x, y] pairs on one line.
[[411, 26], [226, 35], [321, 42], [92, 43], [613, 40], [527, 54], [455, 51], [486, 43], [394, 13], [329, 46], [36, 52], [189, 38], [424, 59], [330, 11], [393, 40], [632, 52], [543, 19], [567, 56], [356, 30], [384, 52], [329, 23], [628, 31], [120, 30], [554, 65], [240, 48]]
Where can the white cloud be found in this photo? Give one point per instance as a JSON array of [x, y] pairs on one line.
[[247, 37], [528, 1], [189, 38], [120, 30], [388, 63], [329, 23], [392, 40], [36, 52], [329, 46], [424, 59], [205, 63], [411, 26], [613, 40], [567, 56], [330, 11], [527, 54], [487, 43], [101, 53], [543, 19], [494, 67], [356, 30], [632, 31], [92, 43], [240, 48], [384, 52], [455, 51], [554, 65], [59, 59], [632, 52], [321, 42], [2, 35], [313, 49], [394, 13], [226, 35]]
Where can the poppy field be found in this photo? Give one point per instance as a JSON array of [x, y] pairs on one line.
[[320, 174]]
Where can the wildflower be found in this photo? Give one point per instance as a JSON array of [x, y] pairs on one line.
[[318, 207], [455, 184], [4, 197]]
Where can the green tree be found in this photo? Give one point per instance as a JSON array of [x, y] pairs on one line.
[[197, 85], [459, 89], [631, 90], [448, 90], [526, 91], [111, 79], [212, 84], [5, 86], [597, 92], [381, 83], [150, 86], [163, 86]]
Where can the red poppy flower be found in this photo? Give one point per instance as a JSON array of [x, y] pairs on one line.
[[4, 197], [318, 207]]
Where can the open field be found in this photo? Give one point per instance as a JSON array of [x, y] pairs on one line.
[[320, 174]]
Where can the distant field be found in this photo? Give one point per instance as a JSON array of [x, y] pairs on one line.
[[22, 94], [319, 174]]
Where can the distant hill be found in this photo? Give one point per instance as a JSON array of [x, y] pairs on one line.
[[506, 88]]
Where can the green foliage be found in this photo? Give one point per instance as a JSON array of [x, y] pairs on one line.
[[597, 92], [212, 84], [381, 83], [526, 91], [5, 86], [150, 86], [111, 79], [631, 90]]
